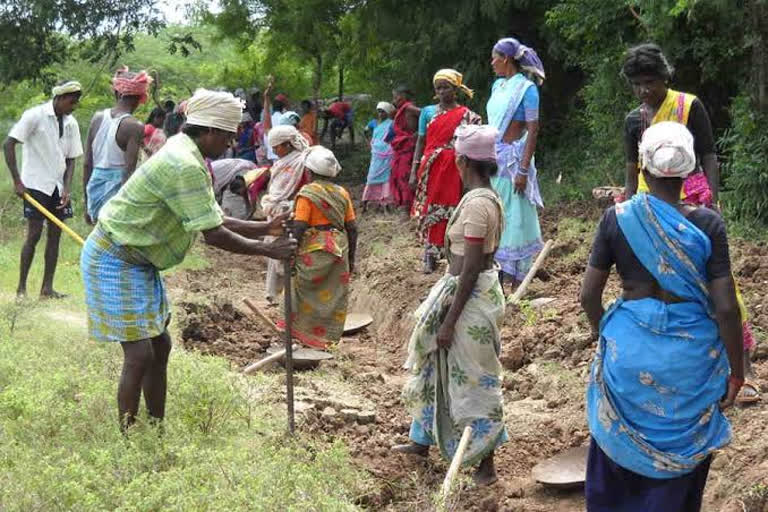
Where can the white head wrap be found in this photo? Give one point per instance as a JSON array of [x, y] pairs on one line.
[[215, 109], [386, 107], [290, 118], [287, 133], [321, 160], [666, 150], [66, 88]]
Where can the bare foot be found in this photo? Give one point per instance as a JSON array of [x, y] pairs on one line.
[[416, 449], [51, 294], [485, 473]]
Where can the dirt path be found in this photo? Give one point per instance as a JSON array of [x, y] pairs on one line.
[[546, 353]]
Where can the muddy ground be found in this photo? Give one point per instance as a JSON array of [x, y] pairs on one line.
[[546, 352]]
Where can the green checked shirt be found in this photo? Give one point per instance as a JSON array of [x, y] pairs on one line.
[[164, 204]]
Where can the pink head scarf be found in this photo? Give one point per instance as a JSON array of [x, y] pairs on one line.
[[126, 83], [477, 142]]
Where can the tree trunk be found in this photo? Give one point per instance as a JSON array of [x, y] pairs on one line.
[[317, 79], [758, 13], [341, 82]]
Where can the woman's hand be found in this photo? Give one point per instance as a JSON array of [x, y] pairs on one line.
[[445, 334], [521, 182], [734, 386]]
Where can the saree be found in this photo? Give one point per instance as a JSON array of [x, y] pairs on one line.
[[320, 288], [439, 184], [521, 239], [677, 107], [450, 389], [660, 369], [287, 176], [377, 186], [403, 145]]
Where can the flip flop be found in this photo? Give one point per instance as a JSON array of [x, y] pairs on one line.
[[743, 399]]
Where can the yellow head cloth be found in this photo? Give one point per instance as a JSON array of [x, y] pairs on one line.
[[66, 88], [455, 78]]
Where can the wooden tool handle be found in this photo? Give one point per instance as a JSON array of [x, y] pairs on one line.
[[264, 318], [515, 298], [258, 365], [458, 458], [31, 200]]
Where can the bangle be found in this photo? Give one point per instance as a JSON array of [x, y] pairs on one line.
[[522, 171]]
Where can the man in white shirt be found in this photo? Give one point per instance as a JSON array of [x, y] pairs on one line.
[[50, 139]]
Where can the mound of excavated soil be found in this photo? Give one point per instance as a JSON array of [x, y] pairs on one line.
[[546, 353], [221, 329]]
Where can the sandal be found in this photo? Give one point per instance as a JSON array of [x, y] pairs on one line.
[[751, 398]]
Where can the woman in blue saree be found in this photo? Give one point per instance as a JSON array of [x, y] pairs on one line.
[[377, 189], [669, 356], [513, 110]]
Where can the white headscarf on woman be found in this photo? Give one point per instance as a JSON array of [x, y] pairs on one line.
[[321, 161], [666, 150], [286, 133], [386, 107]]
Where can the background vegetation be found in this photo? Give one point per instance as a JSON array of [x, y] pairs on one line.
[[322, 47]]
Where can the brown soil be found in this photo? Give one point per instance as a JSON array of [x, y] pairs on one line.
[[546, 353]]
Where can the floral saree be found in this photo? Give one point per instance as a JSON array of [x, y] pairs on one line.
[[660, 369]]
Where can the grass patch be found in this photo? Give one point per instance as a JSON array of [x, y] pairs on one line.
[[223, 445]]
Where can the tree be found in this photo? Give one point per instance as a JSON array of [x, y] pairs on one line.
[[34, 34], [310, 27]]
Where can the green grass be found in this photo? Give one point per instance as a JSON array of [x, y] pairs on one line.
[[223, 447]]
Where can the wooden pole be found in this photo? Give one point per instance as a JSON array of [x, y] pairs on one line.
[[288, 346], [258, 365], [515, 298], [264, 318], [54, 219], [458, 458]]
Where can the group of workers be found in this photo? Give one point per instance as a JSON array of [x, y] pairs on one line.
[[673, 350]]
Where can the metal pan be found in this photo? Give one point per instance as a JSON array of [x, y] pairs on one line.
[[565, 470], [356, 322]]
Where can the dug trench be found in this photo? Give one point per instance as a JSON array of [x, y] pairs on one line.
[[546, 353]]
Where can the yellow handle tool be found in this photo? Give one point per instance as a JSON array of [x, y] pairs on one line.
[[54, 219]]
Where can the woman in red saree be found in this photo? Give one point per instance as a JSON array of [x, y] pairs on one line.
[[439, 185], [403, 143]]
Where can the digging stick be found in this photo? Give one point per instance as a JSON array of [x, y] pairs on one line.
[[272, 357], [288, 345], [458, 457], [261, 363], [51, 217], [515, 298], [264, 318]]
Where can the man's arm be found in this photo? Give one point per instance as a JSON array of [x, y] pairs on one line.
[[131, 135], [10, 160], [223, 238], [66, 194], [253, 229], [88, 161]]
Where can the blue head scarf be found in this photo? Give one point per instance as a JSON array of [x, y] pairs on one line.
[[526, 57]]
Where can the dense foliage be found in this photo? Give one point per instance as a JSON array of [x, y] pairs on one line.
[[318, 47]]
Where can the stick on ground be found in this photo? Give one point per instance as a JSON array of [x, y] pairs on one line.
[[458, 457], [515, 298]]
